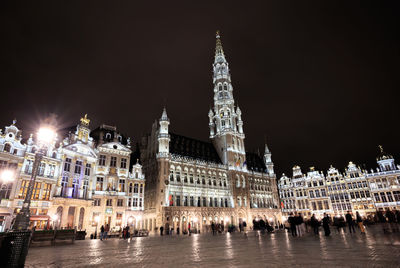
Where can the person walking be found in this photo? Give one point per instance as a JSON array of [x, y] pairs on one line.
[[360, 222], [213, 228], [315, 224], [292, 222], [161, 230], [101, 232], [325, 224], [244, 225], [106, 230], [350, 222], [298, 221], [189, 229], [382, 220], [240, 227], [391, 219]]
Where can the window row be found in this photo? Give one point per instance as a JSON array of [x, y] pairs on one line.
[[113, 161], [192, 201], [41, 190], [120, 187], [318, 193], [387, 196], [189, 178], [78, 167]]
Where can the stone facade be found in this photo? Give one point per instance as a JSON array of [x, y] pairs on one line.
[[192, 182], [336, 193]]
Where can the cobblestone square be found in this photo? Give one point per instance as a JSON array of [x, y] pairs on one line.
[[279, 249]]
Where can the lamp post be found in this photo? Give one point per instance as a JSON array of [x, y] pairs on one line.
[[20, 236]]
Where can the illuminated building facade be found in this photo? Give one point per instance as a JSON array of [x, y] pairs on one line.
[[355, 190], [198, 182]]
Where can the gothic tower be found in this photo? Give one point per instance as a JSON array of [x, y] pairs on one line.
[[225, 121]]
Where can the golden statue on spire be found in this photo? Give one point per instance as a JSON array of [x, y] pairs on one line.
[[85, 121], [380, 148]]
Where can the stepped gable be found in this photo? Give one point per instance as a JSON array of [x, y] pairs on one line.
[[196, 149], [255, 162]]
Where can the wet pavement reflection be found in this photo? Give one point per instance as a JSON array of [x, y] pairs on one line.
[[279, 249]]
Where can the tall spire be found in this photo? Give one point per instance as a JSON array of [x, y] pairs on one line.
[[219, 51]]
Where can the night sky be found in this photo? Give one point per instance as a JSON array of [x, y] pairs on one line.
[[319, 82]]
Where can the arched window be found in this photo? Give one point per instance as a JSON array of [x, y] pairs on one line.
[[237, 182], [219, 87], [244, 183], [7, 148], [108, 136], [225, 87]]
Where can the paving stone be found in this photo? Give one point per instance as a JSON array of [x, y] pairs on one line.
[[279, 249]]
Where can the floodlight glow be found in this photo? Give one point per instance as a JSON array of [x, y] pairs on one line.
[[7, 175], [46, 135]]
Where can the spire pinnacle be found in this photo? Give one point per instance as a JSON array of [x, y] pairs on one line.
[[219, 52], [164, 114]]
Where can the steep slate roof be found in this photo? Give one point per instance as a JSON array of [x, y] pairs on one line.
[[100, 134], [184, 146], [255, 162]]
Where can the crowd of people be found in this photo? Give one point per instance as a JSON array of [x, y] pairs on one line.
[[298, 226]]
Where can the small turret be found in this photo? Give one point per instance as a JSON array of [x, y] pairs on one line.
[[268, 160], [163, 136]]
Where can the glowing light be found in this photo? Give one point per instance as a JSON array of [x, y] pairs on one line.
[[130, 220], [195, 219], [226, 219], [138, 218], [46, 135], [284, 218], [97, 219], [7, 176], [54, 217], [271, 219]]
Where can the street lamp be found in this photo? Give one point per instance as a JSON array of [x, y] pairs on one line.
[[20, 236]]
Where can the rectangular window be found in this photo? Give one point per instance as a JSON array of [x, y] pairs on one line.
[[185, 203], [199, 201], [215, 202], [135, 203], [36, 190], [109, 203], [178, 200], [67, 164], [140, 202], [99, 184], [352, 195], [46, 191], [121, 186], [204, 202], [102, 160], [314, 206], [96, 202], [113, 161], [120, 202], [311, 194], [118, 220], [389, 196], [87, 169], [130, 188], [326, 204], [191, 201], [23, 189], [52, 169], [123, 162], [357, 194], [141, 188], [135, 188], [323, 192], [319, 205], [349, 186], [317, 193], [129, 202], [364, 184], [383, 197], [377, 198], [78, 167], [211, 202], [362, 194], [396, 195], [42, 167]]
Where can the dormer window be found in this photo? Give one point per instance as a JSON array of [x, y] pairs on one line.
[[108, 136]]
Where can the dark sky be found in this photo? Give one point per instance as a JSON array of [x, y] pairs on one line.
[[320, 81]]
